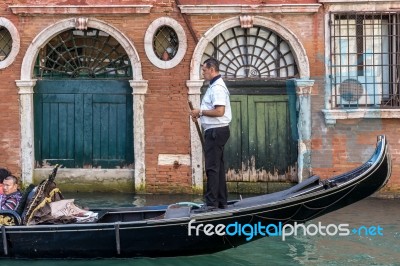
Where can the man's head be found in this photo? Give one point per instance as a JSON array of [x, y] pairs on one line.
[[10, 185], [210, 69], [3, 174]]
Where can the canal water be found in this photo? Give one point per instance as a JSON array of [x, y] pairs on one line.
[[378, 246]]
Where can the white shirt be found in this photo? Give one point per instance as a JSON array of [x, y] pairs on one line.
[[216, 94]]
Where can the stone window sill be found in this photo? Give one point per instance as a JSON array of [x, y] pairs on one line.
[[332, 115]]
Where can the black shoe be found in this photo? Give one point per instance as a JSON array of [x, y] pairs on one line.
[[223, 206]]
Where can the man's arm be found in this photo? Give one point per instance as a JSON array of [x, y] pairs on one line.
[[218, 111]]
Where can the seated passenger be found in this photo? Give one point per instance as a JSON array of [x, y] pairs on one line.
[[12, 196], [3, 174]]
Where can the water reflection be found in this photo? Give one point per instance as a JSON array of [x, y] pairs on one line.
[[354, 249]]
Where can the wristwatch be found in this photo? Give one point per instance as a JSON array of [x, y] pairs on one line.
[[201, 113]]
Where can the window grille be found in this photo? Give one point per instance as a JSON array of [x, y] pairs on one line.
[[165, 43], [5, 43], [365, 54], [252, 53], [84, 54]]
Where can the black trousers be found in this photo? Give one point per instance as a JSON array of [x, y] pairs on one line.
[[216, 194]]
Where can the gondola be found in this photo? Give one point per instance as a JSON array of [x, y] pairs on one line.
[[187, 228]]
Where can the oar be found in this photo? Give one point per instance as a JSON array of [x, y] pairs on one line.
[[197, 126]]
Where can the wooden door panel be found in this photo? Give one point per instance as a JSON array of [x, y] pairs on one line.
[[267, 133], [87, 130], [93, 128], [55, 125], [236, 149], [261, 147], [109, 128], [272, 139]]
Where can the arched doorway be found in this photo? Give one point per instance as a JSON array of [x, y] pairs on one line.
[[130, 177], [261, 65], [83, 102], [256, 63]]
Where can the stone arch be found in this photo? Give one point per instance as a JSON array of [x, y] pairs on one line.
[[297, 48], [303, 90], [27, 83]]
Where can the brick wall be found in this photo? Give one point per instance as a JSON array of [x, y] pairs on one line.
[[9, 108]]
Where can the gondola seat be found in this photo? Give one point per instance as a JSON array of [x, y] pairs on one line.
[[177, 211]]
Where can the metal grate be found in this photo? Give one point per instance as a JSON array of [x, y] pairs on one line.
[[365, 54], [85, 54], [5, 43], [252, 53], [165, 43], [351, 90]]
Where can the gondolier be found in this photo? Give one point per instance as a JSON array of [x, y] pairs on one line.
[[215, 115]]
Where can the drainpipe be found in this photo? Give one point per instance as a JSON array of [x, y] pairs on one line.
[[188, 23]]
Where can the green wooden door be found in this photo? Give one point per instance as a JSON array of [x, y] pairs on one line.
[[83, 123], [237, 147], [263, 145]]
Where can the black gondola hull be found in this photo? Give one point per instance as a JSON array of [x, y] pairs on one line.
[[123, 232]]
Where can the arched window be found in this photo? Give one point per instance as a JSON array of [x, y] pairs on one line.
[[89, 53], [252, 53]]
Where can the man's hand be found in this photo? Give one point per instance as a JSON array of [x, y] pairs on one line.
[[195, 113], [218, 111]]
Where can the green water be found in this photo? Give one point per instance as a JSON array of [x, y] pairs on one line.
[[296, 250]]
